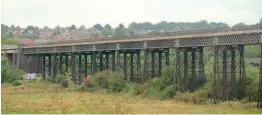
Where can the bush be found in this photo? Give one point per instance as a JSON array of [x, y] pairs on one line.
[[49, 79], [100, 79], [116, 82], [9, 73], [133, 88], [89, 82], [16, 83], [167, 93], [4, 77], [59, 78], [64, 80], [80, 87], [200, 96], [38, 79], [162, 88]]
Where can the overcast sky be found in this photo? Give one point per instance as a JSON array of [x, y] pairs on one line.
[[89, 12]]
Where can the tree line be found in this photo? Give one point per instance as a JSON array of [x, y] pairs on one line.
[[135, 28]]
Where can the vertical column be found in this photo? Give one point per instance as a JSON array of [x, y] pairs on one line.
[[242, 71], [153, 64], [85, 64], [216, 74], [201, 77], [125, 65], [233, 74], [80, 67], [54, 67], [38, 62], [49, 65], [132, 66], [145, 65], [167, 57], [66, 62], [93, 62], [118, 60], [107, 60], [101, 61], [14, 59], [177, 75], [43, 68], [19, 56], [73, 66], [193, 77], [224, 81], [35, 64], [185, 71], [138, 65], [259, 101], [61, 64], [159, 62], [114, 60]]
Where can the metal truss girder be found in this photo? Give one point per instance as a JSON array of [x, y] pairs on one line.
[[229, 73], [189, 73]]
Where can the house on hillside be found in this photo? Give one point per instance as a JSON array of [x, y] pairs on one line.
[[46, 33], [94, 33], [80, 34]]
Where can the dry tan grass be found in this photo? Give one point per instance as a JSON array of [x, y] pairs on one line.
[[30, 100]]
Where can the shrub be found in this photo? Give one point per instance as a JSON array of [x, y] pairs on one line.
[[167, 93], [162, 88], [16, 83], [66, 81], [100, 79], [49, 79], [9, 73], [38, 79], [116, 82], [200, 96], [133, 88], [80, 87], [13, 74], [4, 77], [89, 82], [59, 78]]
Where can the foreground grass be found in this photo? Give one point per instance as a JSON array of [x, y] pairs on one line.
[[48, 98]]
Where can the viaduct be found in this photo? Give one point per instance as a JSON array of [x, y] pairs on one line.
[[143, 57]]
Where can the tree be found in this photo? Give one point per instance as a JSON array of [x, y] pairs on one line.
[[107, 30], [46, 27], [133, 25], [57, 30], [10, 35], [120, 31], [12, 27], [241, 24], [82, 27], [131, 31], [99, 27], [30, 28], [18, 28], [4, 29], [146, 26], [261, 20], [162, 25], [73, 27]]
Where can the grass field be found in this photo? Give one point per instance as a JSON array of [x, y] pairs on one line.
[[48, 98]]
